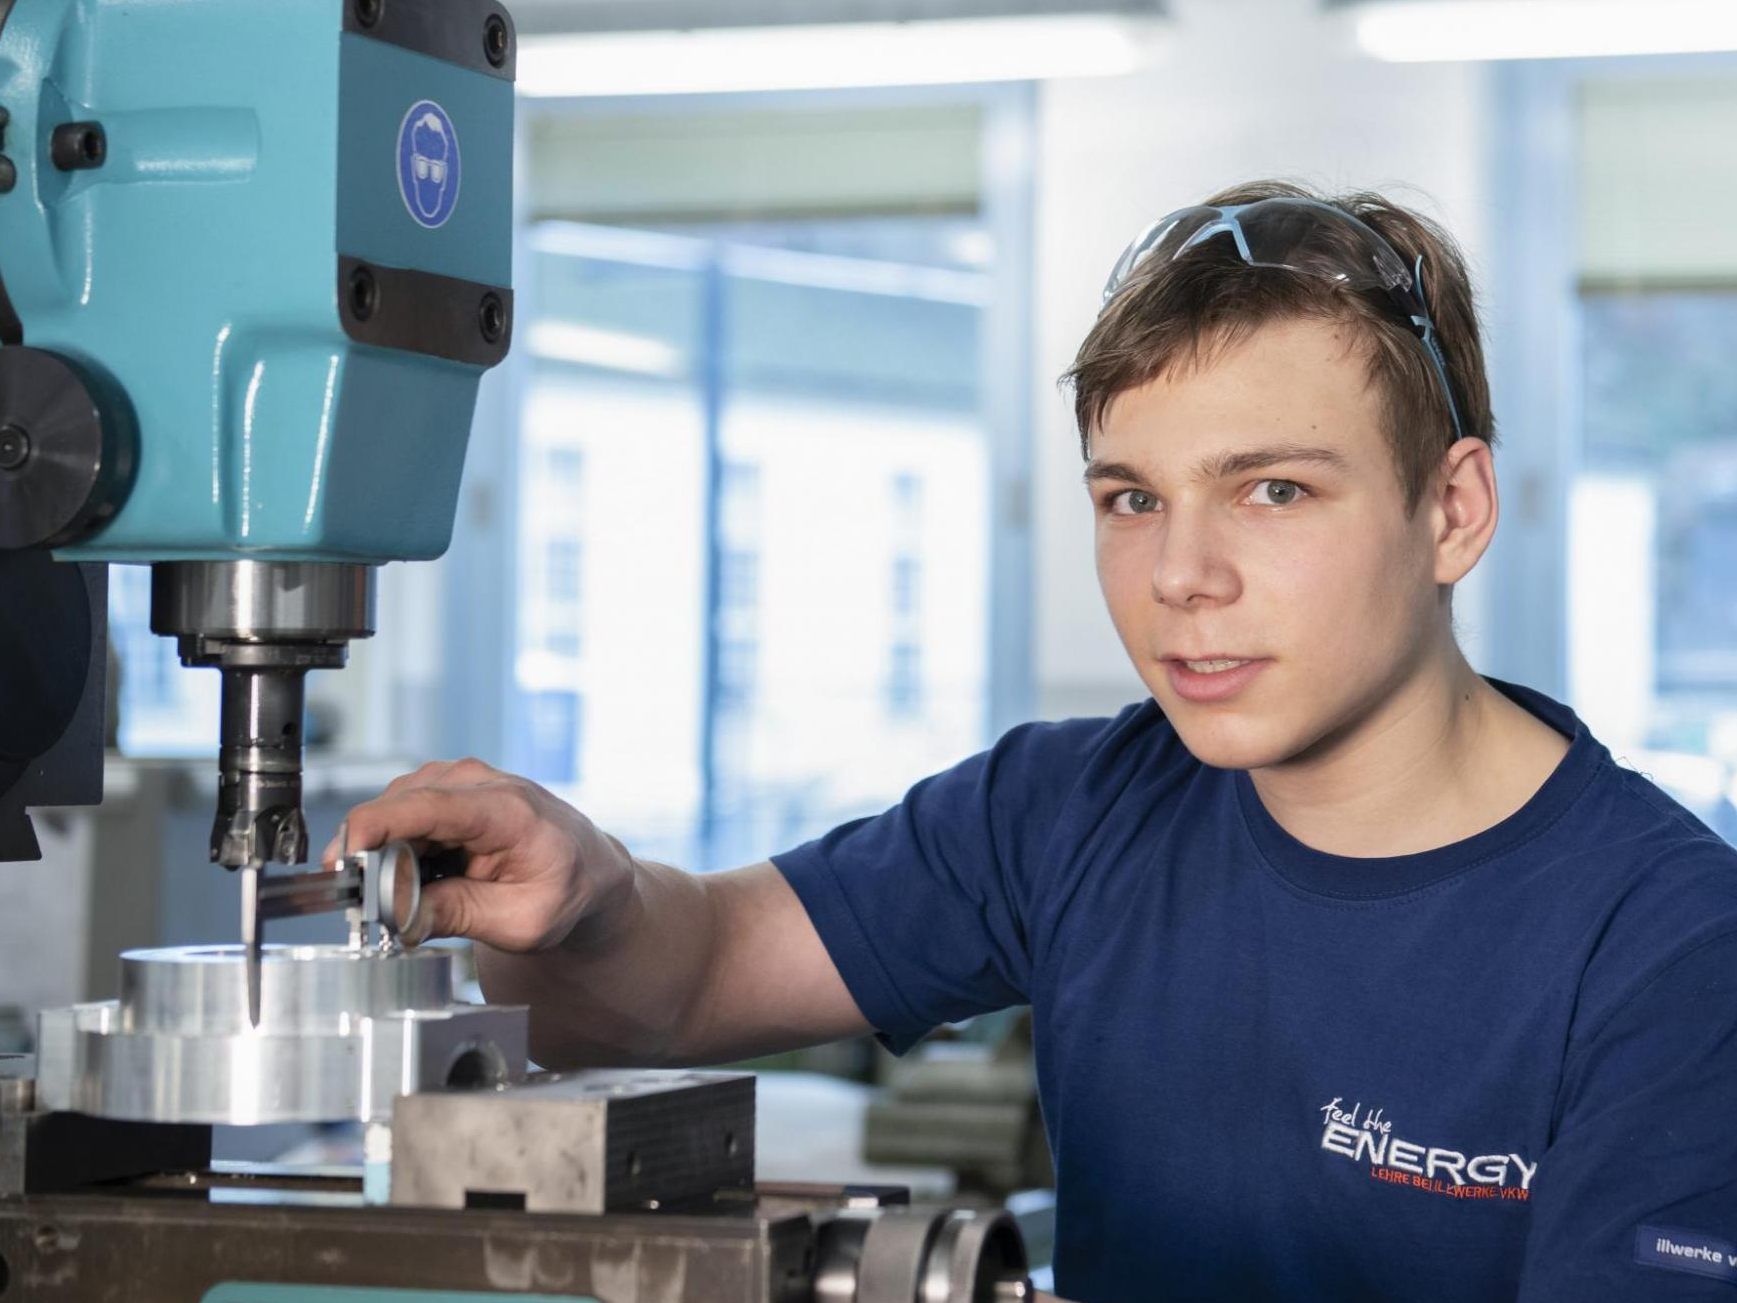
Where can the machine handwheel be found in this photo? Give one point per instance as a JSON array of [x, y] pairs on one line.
[[910, 1255], [66, 450]]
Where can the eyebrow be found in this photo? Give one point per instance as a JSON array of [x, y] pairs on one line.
[[1228, 464]]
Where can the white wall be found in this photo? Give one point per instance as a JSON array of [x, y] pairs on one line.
[[1249, 88]]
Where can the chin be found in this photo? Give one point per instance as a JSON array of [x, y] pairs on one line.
[[1227, 742]]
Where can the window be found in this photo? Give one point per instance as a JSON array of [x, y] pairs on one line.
[[905, 681], [561, 571], [736, 662], [555, 721], [1653, 522], [736, 425], [561, 640], [166, 709], [565, 468], [739, 580], [1612, 568], [807, 376], [907, 584], [907, 502], [738, 500]]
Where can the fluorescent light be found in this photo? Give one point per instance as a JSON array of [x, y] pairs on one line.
[[826, 56], [1427, 31], [616, 350]]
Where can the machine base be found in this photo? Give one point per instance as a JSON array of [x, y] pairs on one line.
[[616, 1187], [153, 1245]]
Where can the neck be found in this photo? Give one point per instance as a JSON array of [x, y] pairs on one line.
[[1443, 758]]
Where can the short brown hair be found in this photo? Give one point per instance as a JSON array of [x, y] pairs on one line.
[[1175, 313]]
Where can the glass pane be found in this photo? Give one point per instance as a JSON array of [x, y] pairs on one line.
[[849, 529], [165, 709], [611, 532], [855, 402], [1653, 539]]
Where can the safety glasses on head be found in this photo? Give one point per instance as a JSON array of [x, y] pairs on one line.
[[1298, 235]]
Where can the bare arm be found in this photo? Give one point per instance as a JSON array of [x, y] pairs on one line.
[[621, 961], [693, 970]]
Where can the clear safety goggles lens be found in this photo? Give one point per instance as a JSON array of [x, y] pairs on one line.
[[1298, 235], [428, 168]]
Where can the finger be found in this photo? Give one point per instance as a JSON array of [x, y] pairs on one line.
[[445, 773], [494, 913], [449, 908], [435, 773], [422, 776], [344, 842], [481, 819], [329, 857]]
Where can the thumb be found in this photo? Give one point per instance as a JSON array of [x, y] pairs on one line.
[[449, 908]]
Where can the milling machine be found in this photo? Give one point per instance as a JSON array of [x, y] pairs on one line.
[[254, 259]]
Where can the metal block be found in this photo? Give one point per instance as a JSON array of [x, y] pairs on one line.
[[43, 1153], [17, 1083], [158, 1248], [342, 1033], [587, 1142]]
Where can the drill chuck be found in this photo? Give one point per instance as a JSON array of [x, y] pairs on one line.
[[259, 760], [264, 625]]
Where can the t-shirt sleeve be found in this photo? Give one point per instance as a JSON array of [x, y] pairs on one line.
[[924, 908], [1637, 1196]]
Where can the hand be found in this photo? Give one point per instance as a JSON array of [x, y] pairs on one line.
[[537, 866]]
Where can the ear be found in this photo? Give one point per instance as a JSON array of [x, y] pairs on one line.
[[1463, 509]]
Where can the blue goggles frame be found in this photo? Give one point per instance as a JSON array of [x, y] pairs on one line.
[[1286, 233]]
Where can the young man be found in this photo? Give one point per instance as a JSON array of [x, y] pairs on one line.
[[1355, 975]]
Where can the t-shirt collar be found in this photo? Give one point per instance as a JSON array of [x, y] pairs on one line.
[[1353, 877]]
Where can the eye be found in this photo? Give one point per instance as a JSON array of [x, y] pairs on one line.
[[1132, 502], [1276, 493]]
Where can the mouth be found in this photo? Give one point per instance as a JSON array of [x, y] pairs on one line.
[[1211, 664], [1212, 678]]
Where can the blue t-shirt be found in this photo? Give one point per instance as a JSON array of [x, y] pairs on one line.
[[1505, 1068]]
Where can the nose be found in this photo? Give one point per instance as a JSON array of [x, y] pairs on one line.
[[1192, 567]]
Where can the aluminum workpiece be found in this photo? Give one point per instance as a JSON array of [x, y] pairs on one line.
[[341, 1033]]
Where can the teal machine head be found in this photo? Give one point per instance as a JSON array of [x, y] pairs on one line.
[[255, 256]]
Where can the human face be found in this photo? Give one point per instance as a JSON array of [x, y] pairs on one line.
[[1248, 509]]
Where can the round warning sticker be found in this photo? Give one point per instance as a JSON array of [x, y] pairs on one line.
[[428, 166]]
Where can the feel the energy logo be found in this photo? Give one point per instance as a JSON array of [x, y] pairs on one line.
[[1369, 1137], [428, 164]]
